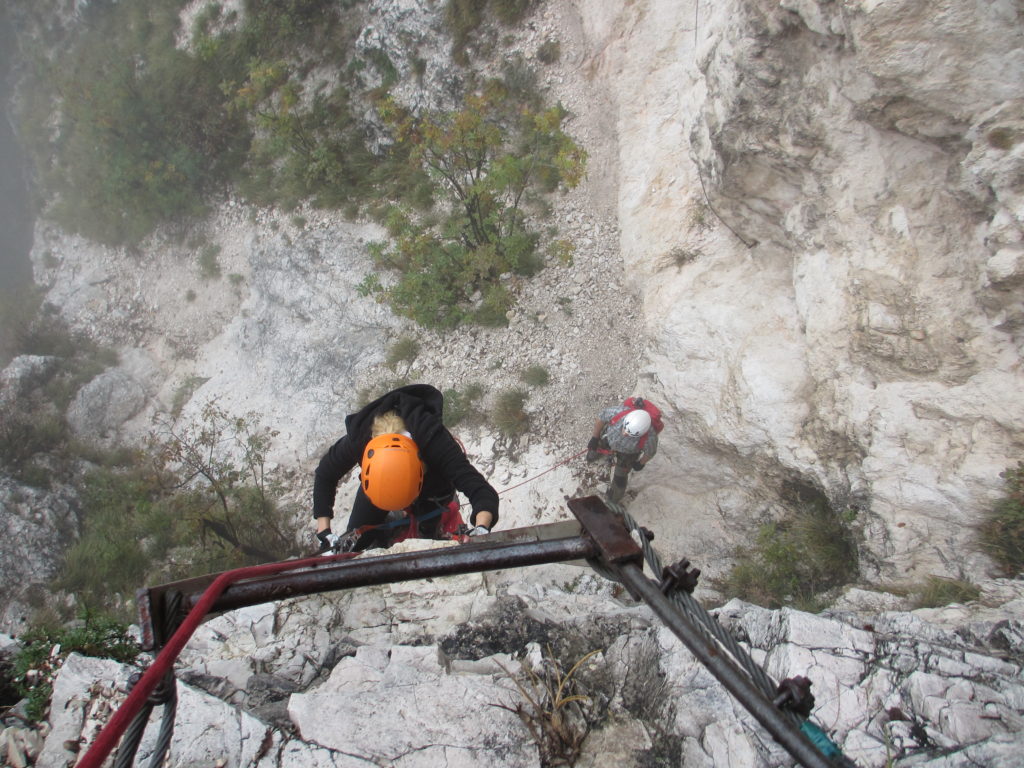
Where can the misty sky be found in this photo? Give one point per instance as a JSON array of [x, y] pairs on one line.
[[15, 220]]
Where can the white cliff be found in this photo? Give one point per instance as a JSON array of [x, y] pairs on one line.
[[801, 235]]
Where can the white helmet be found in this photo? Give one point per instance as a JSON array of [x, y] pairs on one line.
[[636, 423]]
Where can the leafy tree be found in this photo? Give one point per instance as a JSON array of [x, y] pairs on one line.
[[301, 150], [144, 132], [492, 163], [223, 459], [202, 503]]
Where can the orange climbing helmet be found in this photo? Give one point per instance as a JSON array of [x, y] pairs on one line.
[[392, 473]]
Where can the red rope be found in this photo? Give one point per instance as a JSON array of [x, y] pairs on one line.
[[553, 466], [111, 733]]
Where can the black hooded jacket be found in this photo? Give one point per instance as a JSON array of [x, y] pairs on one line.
[[446, 465]]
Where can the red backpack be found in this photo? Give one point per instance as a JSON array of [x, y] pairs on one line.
[[634, 403]]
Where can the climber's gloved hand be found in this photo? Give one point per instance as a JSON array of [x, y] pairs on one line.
[[637, 466], [479, 530], [328, 541], [592, 447]]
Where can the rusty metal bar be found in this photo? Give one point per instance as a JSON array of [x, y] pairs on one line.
[[405, 566], [607, 530], [154, 603]]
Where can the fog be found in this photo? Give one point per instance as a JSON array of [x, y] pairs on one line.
[[15, 213]]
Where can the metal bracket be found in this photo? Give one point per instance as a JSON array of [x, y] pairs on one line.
[[679, 576]]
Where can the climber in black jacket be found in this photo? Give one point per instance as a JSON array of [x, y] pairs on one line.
[[408, 462]]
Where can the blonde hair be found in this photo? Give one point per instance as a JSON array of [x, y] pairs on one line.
[[386, 424]]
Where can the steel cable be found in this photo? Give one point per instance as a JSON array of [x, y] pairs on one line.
[[705, 621]]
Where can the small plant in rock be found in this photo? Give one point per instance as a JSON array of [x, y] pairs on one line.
[[367, 394], [795, 561], [509, 415], [679, 257], [184, 393], [536, 376], [44, 649], [462, 405], [549, 52], [209, 267], [1002, 533], [937, 592], [403, 350], [553, 709], [1002, 138], [561, 250]]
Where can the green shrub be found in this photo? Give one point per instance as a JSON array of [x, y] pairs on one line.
[[508, 414], [202, 503], [366, 395], [462, 18], [32, 426], [937, 592], [43, 650], [462, 405], [184, 393], [549, 52], [511, 12], [795, 561], [1002, 533], [209, 267], [536, 376], [145, 132], [403, 350], [495, 161]]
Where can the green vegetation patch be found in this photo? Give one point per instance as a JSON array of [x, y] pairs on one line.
[[35, 442], [1002, 533], [43, 650], [463, 405], [144, 129], [509, 415], [795, 561], [200, 503], [937, 592], [536, 376], [403, 350], [495, 159]]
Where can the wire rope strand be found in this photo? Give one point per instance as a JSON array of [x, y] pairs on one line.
[[125, 756], [705, 621], [163, 739]]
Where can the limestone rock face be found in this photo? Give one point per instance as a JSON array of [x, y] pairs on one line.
[[418, 672], [35, 528], [820, 206]]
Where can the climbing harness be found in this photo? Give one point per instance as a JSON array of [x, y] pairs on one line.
[[606, 537], [447, 528]]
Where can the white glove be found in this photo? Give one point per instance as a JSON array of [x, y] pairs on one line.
[[329, 542]]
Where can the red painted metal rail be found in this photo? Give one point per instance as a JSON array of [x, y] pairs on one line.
[[115, 728]]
